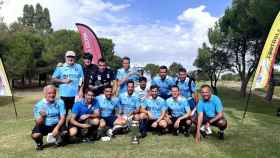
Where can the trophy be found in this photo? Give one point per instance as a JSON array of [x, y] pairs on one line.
[[134, 132]]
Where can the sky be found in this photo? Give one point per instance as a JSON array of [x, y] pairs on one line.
[[147, 31]]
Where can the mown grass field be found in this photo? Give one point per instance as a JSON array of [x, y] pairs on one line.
[[257, 136]]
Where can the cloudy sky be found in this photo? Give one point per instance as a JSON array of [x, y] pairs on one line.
[[148, 31]]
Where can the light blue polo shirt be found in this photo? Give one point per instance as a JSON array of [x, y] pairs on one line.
[[178, 107], [211, 107], [53, 111], [81, 108], [155, 106], [128, 103], [121, 74], [185, 89], [164, 85], [107, 106], [72, 72]]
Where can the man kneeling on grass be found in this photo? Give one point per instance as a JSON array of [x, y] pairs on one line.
[[152, 113], [108, 106], [128, 108], [210, 112], [180, 112], [84, 118], [49, 116]]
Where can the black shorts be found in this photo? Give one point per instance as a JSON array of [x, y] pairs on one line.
[[206, 119], [110, 120], [43, 129], [68, 101], [182, 122], [149, 124]]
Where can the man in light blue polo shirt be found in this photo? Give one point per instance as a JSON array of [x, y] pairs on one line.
[[129, 102], [85, 117], [153, 111], [179, 112], [210, 112], [69, 76], [49, 114], [108, 107], [164, 82], [124, 74], [187, 87]]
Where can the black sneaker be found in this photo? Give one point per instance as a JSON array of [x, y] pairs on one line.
[[39, 147], [221, 135], [187, 132], [278, 112], [176, 132], [143, 135], [86, 140]]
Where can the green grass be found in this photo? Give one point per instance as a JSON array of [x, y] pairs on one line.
[[257, 136]]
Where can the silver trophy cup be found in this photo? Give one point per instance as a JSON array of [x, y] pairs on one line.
[[134, 128]]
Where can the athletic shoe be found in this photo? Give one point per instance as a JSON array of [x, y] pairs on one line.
[[187, 132], [221, 135], [86, 140], [109, 132], [176, 132], [143, 135], [202, 128], [39, 146], [208, 131], [105, 139]]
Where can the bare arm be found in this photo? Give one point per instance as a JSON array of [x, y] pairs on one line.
[[60, 81], [217, 117], [188, 114], [199, 122], [74, 122], [161, 116]]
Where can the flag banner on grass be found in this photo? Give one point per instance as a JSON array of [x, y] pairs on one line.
[[90, 42], [267, 60], [5, 89]]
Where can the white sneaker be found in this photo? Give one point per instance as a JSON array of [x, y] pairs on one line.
[[208, 131], [105, 139], [109, 133], [202, 128]]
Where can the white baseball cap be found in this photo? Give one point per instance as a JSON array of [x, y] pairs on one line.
[[70, 53]]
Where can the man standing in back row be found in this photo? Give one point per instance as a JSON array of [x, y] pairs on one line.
[[68, 76], [164, 82], [124, 74]]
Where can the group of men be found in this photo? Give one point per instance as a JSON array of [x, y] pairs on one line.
[[103, 103]]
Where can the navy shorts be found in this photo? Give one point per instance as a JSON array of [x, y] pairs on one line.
[[110, 120], [43, 129]]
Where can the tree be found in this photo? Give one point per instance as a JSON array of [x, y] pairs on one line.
[[213, 60], [17, 57], [246, 25], [57, 43], [1, 17], [28, 15], [174, 69], [37, 19], [107, 48], [152, 69], [4, 36]]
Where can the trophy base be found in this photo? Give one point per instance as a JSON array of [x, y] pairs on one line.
[[135, 140]]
